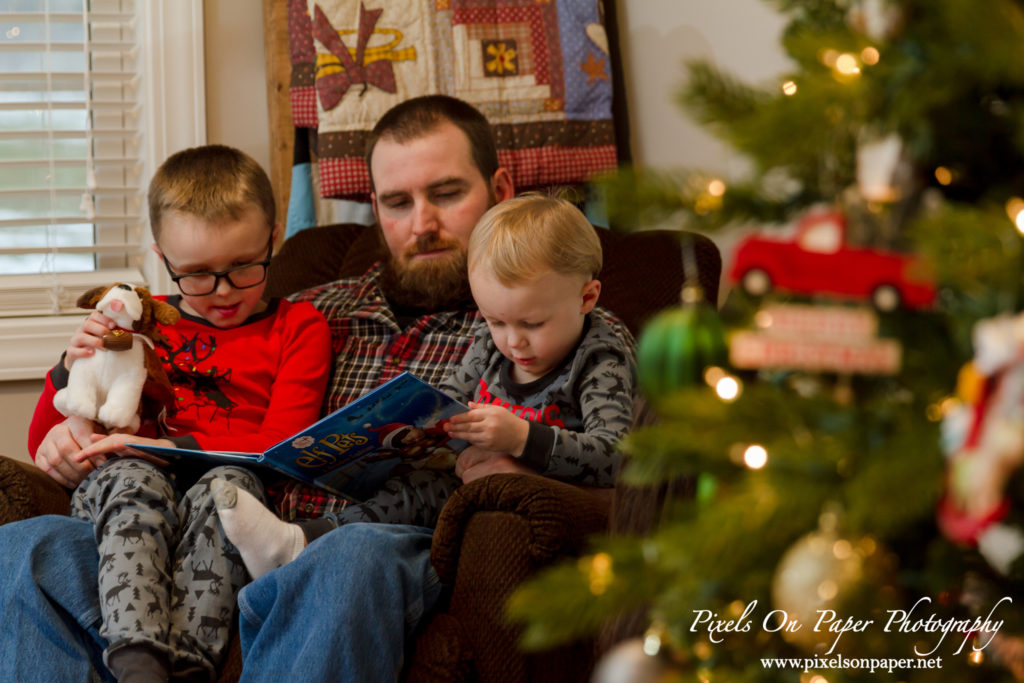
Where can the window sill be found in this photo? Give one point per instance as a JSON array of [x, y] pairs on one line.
[[31, 343]]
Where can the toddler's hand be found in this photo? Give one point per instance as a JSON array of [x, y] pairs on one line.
[[57, 453], [474, 463], [88, 337], [491, 427]]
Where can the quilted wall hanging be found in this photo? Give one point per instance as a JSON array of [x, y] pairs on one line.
[[540, 70]]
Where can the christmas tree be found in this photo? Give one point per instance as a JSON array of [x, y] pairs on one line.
[[856, 460]]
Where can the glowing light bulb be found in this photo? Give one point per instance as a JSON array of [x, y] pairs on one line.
[[716, 188], [846, 64], [943, 175], [600, 572], [842, 549], [947, 405], [763, 319], [727, 388], [869, 56], [755, 457], [713, 375], [652, 638], [1014, 208], [789, 88]]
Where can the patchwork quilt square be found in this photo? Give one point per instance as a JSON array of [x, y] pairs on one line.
[[538, 69]]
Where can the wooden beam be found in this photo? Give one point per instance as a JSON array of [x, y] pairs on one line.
[[282, 132]]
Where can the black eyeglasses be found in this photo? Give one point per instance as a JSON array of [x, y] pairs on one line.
[[240, 277]]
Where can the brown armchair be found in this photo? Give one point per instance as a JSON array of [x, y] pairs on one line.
[[495, 532]]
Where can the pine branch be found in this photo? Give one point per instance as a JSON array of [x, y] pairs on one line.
[[977, 254]]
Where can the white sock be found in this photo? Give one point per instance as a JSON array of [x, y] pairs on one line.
[[263, 540]]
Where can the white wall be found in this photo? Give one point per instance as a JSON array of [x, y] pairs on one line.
[[657, 37], [17, 401], [236, 75]]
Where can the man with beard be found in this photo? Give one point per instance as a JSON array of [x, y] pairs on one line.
[[345, 607]]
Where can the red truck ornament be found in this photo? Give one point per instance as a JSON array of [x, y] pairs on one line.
[[819, 261]]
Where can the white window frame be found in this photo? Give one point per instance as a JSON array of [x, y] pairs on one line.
[[174, 105]]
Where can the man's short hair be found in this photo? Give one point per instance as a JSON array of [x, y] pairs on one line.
[[213, 183], [414, 118], [521, 238]]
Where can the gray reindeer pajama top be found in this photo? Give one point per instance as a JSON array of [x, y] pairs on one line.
[[577, 413]]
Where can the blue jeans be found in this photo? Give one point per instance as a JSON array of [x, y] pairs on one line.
[[49, 604], [343, 610]]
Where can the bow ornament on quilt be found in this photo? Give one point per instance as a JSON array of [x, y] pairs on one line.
[[332, 87]]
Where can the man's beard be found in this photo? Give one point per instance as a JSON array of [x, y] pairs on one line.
[[432, 284]]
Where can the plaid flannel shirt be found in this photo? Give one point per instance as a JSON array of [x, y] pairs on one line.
[[369, 348]]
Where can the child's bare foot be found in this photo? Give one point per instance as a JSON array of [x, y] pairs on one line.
[[263, 540]]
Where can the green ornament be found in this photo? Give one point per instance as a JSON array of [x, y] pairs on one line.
[[677, 345]]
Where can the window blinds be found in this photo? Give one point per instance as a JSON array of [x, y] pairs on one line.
[[71, 185]]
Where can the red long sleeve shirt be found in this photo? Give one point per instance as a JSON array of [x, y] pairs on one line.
[[238, 389]]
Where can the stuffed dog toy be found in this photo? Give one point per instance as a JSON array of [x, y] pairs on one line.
[[109, 385]]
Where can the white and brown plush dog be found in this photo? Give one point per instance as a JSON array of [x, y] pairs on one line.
[[108, 386]]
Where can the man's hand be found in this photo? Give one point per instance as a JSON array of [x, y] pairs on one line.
[[88, 337], [65, 440], [491, 427], [475, 462]]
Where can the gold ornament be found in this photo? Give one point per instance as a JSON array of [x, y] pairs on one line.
[[629, 662], [818, 573]]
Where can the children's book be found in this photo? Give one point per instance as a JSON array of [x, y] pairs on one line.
[[397, 427]]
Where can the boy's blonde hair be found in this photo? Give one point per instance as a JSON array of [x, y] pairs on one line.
[[521, 238], [213, 182]]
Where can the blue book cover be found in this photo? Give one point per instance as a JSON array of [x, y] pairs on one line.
[[397, 427]]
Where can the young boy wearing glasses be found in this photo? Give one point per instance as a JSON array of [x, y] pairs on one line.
[[246, 374]]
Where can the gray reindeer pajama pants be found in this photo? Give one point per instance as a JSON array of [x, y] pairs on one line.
[[168, 577], [413, 498]]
